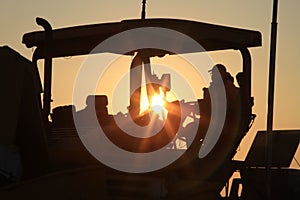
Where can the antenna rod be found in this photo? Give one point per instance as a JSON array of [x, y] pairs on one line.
[[271, 97], [144, 9]]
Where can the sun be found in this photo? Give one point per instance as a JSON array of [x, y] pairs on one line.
[[154, 104], [157, 104]]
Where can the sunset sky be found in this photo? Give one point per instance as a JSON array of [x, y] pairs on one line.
[[18, 17]]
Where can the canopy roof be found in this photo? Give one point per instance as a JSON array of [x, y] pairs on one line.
[[81, 40]]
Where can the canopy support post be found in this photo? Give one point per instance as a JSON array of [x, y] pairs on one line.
[[47, 66], [247, 100]]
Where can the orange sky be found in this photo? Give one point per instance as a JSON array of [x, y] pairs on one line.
[[18, 17]]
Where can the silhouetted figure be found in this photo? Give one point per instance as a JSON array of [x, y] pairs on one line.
[[231, 91], [222, 151], [221, 80]]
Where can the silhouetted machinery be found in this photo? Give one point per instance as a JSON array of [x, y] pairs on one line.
[[72, 173]]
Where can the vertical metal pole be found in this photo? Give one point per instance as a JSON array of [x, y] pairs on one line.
[[48, 66], [271, 98], [144, 9]]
